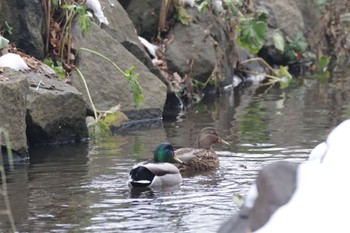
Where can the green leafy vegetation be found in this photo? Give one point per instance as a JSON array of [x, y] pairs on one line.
[[295, 47], [6, 29], [251, 28], [103, 120], [100, 127], [323, 63], [71, 11], [58, 67], [251, 35], [130, 75], [323, 5], [58, 21], [203, 6], [284, 76], [278, 40], [281, 75], [182, 16], [248, 26], [234, 8], [79, 10]]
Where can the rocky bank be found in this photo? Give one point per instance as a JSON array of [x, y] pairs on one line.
[[37, 109]]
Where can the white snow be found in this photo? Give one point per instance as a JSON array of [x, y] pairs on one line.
[[151, 48], [95, 5]]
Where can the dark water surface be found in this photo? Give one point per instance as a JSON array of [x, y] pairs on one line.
[[83, 188]]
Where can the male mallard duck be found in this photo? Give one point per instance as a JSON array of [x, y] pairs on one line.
[[204, 158], [161, 172]]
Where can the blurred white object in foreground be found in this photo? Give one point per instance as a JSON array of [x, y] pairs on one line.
[[13, 61], [318, 152], [322, 198]]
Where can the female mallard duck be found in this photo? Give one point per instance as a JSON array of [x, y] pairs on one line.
[[161, 172], [204, 158]]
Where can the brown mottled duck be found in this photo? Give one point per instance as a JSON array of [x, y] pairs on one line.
[[202, 158]]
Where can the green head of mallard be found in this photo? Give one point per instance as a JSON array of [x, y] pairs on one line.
[[164, 153], [209, 136]]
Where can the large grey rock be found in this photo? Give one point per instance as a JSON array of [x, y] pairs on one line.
[[123, 30], [120, 22], [108, 87], [312, 24], [189, 41], [207, 41], [26, 17], [13, 96], [276, 184], [56, 111], [189, 45], [226, 54], [285, 15]]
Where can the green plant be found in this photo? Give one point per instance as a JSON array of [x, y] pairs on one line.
[[252, 27], [278, 40], [323, 5], [103, 120], [75, 9], [57, 67], [71, 11], [251, 34], [135, 87], [6, 29], [181, 14], [100, 127], [129, 75], [323, 63], [59, 16], [3, 191], [295, 47], [281, 75], [203, 6]]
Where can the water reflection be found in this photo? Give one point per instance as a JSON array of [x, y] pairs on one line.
[[83, 188]]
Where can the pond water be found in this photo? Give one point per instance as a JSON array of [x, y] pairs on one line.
[[83, 188]]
